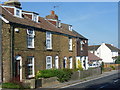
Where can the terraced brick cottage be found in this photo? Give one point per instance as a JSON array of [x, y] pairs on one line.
[[30, 43]]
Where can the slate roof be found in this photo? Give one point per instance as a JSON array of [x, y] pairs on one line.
[[79, 35], [91, 56], [65, 26], [112, 48], [44, 24], [93, 47]]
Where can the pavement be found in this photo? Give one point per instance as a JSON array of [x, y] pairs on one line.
[[66, 84]]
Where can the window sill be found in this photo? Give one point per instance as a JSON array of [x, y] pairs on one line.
[[30, 76], [31, 47], [49, 49], [70, 50]]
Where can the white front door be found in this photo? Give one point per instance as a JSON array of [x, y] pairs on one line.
[[71, 62], [56, 62]]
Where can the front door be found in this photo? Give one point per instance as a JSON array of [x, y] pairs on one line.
[[56, 62], [17, 70]]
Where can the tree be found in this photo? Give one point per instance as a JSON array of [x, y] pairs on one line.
[[117, 60]]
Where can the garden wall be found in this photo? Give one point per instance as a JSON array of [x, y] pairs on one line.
[[42, 82], [86, 73]]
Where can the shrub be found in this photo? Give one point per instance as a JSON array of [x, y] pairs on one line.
[[112, 67], [62, 74], [45, 73], [10, 85], [117, 60]]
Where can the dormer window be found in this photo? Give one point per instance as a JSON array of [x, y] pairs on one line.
[[70, 27], [58, 23], [35, 18], [17, 12]]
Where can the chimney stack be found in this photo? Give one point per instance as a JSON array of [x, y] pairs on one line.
[[52, 12], [52, 15]]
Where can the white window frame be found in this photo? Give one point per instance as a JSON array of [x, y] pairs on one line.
[[29, 35], [70, 27], [70, 44], [33, 67], [35, 16], [58, 23], [50, 39], [81, 45], [48, 62], [20, 13]]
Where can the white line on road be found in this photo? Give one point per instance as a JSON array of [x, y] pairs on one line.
[[103, 86], [116, 81]]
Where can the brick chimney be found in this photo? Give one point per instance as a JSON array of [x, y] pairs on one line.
[[52, 12], [52, 15]]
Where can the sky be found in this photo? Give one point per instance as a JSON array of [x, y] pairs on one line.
[[97, 21]]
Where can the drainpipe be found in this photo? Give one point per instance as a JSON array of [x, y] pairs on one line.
[[1, 52], [12, 51]]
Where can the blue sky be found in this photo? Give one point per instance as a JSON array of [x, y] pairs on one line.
[[97, 21]]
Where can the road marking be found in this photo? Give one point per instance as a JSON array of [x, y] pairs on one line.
[[103, 86], [116, 81]]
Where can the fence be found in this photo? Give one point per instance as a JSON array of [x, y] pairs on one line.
[[109, 65]]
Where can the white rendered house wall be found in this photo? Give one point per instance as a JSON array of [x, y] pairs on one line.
[[106, 54]]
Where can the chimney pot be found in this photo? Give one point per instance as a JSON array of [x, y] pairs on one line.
[[52, 12]]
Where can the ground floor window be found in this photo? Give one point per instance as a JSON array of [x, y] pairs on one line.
[[48, 62], [30, 65]]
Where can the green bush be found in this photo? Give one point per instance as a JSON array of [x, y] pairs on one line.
[[112, 67], [10, 85], [45, 73], [117, 60], [62, 74]]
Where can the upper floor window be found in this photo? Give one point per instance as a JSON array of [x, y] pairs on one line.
[[48, 40], [30, 64], [81, 45], [30, 38], [48, 62], [70, 27], [17, 12], [31, 32], [70, 43]]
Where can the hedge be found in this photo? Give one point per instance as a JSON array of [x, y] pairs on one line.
[[62, 74]]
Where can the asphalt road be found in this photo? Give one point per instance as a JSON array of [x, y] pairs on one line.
[[107, 82]]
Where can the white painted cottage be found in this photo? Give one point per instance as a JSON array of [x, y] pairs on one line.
[[106, 52]]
